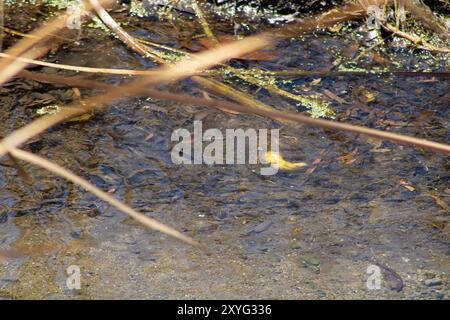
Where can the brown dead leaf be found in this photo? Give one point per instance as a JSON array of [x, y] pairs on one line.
[[77, 93], [437, 222], [439, 201], [149, 136], [310, 170], [348, 158], [155, 108], [315, 163], [380, 150], [407, 185], [393, 123], [334, 97], [351, 51], [380, 59]]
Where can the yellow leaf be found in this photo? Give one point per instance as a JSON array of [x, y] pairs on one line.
[[276, 158], [406, 185], [335, 28], [370, 96], [315, 82], [410, 188]]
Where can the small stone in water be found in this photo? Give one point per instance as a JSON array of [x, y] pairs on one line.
[[433, 282]]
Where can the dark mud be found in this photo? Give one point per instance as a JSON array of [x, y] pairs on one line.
[[309, 233]]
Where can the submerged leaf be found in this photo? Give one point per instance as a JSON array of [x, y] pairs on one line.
[[407, 185], [276, 158]]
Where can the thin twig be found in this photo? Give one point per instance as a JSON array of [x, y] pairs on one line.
[[41, 34], [424, 14], [109, 21], [20, 169], [163, 74], [79, 68], [414, 39], [208, 83], [274, 114], [204, 23], [2, 22]]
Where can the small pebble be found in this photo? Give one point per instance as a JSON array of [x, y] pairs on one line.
[[440, 295], [260, 227], [433, 282]]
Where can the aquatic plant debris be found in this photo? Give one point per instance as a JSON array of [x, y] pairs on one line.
[[54, 109], [275, 158]]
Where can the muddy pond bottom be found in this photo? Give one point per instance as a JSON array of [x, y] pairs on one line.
[[308, 233]]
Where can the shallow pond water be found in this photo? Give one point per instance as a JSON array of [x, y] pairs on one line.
[[308, 233]]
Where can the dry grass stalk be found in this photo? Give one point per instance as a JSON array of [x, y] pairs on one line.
[[2, 17], [60, 171], [79, 69], [204, 23], [165, 74], [124, 36], [414, 39], [40, 35], [237, 108], [424, 14], [210, 84]]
